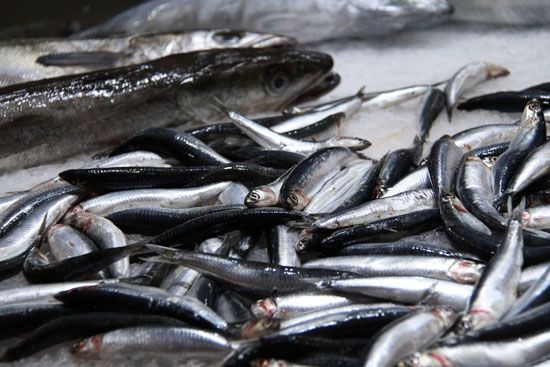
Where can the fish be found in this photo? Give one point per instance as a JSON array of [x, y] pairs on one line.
[[496, 291], [176, 342], [443, 164], [537, 294], [536, 165], [506, 101], [152, 94], [269, 139], [468, 77], [324, 20], [427, 325], [26, 60]]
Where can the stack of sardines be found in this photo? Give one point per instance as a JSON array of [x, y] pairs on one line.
[[273, 241]]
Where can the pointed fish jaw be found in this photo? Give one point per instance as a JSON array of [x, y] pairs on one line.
[[260, 197], [264, 308], [532, 113], [465, 271], [88, 348]]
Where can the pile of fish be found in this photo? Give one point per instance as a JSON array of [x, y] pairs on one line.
[[273, 241]]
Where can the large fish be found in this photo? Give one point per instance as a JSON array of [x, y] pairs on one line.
[[55, 118], [306, 20], [33, 59]]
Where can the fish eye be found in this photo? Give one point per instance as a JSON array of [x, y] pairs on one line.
[[278, 83], [228, 37]]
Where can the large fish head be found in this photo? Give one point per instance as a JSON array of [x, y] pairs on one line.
[[253, 81], [227, 38]]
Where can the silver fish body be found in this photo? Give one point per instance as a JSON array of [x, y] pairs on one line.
[[154, 198], [177, 343], [537, 217], [416, 180], [535, 166], [496, 290], [507, 353], [461, 271], [479, 136], [393, 344], [403, 203], [104, 234]]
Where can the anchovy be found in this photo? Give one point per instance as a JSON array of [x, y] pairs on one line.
[[270, 139], [443, 164], [479, 136], [406, 248], [531, 274], [233, 307], [537, 217], [78, 110], [507, 101], [255, 276], [367, 318], [308, 177], [432, 106], [146, 300], [383, 230], [154, 198], [296, 304], [385, 99], [70, 327], [468, 77], [371, 211], [151, 221], [359, 19], [104, 234], [21, 239], [28, 60], [531, 134], [182, 146], [509, 353], [496, 291], [176, 342], [393, 343], [405, 289], [475, 188], [538, 293], [536, 165], [461, 271]]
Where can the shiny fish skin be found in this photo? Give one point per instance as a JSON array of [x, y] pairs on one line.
[[427, 326], [296, 304], [269, 139], [537, 217], [479, 136], [255, 276], [469, 76], [307, 178], [281, 246], [496, 291], [65, 241], [176, 342], [475, 188], [78, 110], [153, 221], [443, 163], [406, 202], [535, 166], [537, 294], [395, 166], [416, 180], [182, 146], [406, 290], [146, 300], [104, 234], [507, 101], [432, 106], [325, 20], [531, 134], [510, 353], [64, 57], [154, 198], [27, 234], [461, 271]]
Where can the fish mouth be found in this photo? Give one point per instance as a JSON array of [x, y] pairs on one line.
[[328, 84]]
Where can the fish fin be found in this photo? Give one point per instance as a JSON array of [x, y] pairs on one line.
[[92, 58]]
